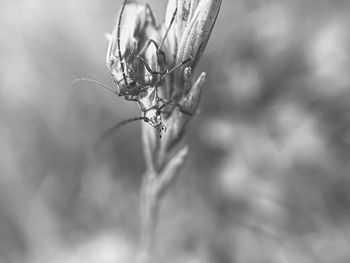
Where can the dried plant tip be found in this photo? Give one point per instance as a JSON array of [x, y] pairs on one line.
[[191, 101]]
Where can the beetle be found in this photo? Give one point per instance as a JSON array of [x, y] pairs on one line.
[[136, 62]]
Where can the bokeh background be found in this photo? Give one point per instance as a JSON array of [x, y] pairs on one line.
[[268, 174]]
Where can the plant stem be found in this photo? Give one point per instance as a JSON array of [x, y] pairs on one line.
[[162, 167]]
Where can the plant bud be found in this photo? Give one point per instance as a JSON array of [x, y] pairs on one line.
[[198, 26]]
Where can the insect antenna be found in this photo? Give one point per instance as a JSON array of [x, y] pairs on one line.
[[118, 42], [112, 129], [96, 83], [109, 132], [176, 67], [168, 29]]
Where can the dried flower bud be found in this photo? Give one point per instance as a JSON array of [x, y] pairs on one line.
[[191, 30], [197, 31]]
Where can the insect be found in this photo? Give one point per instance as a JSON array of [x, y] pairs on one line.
[[136, 62]]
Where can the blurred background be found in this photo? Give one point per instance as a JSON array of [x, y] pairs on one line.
[[268, 174]]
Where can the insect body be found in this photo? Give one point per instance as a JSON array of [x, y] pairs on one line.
[[135, 61]]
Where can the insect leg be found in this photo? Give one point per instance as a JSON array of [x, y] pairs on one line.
[[173, 103], [164, 73], [167, 72], [158, 51], [147, 44], [149, 68], [158, 47]]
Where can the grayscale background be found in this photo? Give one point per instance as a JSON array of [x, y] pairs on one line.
[[268, 179]]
